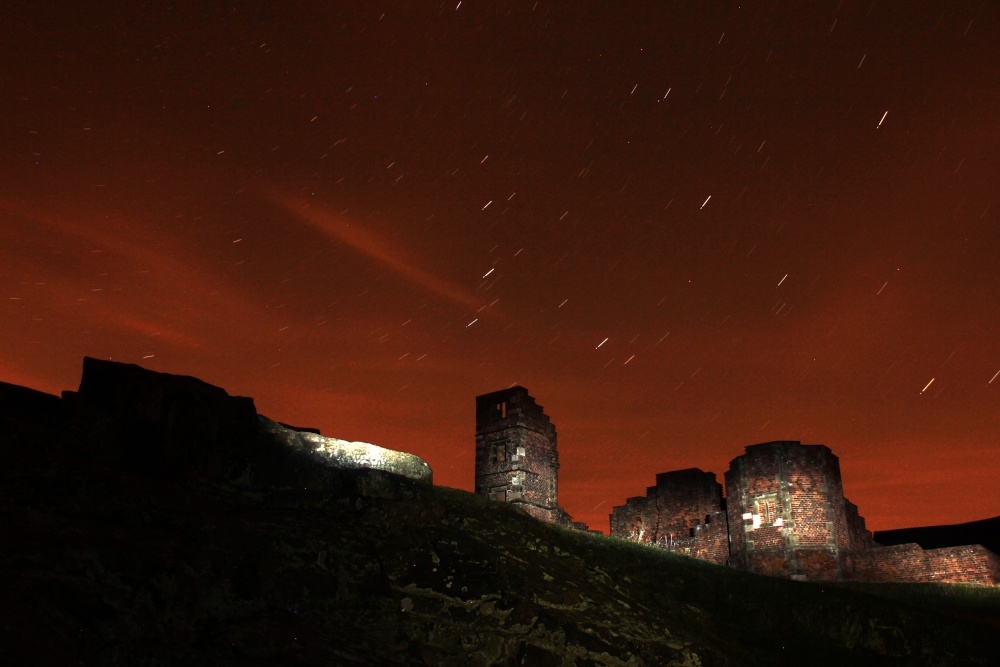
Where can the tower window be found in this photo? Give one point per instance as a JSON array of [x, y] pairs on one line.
[[502, 409], [767, 509]]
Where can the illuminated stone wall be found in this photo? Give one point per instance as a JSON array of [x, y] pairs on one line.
[[708, 541], [338, 453]]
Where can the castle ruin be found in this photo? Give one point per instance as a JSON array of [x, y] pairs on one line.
[[785, 515], [516, 457]]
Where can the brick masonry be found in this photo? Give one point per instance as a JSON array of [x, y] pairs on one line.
[[972, 564], [785, 515], [787, 511], [516, 456], [682, 513]]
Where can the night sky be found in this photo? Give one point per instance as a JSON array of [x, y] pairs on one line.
[[685, 227]]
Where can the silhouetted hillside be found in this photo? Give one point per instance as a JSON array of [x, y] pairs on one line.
[[159, 523]]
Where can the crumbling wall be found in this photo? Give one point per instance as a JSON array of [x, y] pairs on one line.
[[683, 500], [682, 513], [973, 564], [785, 515], [708, 541], [859, 536], [635, 520], [338, 453]]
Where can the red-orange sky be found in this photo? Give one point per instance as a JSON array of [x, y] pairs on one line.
[[685, 227]]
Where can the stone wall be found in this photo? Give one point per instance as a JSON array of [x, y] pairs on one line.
[[516, 455], [860, 536], [633, 520], [684, 499], [785, 515], [344, 454]]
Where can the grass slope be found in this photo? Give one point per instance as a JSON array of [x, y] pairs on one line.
[[112, 567]]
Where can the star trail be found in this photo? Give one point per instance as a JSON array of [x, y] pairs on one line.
[[685, 227]]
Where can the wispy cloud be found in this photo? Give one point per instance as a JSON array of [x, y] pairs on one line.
[[139, 288], [349, 231]]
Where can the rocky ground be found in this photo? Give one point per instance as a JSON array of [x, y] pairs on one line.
[[137, 532]]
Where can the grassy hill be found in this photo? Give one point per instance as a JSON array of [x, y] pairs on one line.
[[148, 520], [376, 569]]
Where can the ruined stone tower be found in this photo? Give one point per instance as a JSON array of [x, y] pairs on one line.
[[787, 512], [516, 457]]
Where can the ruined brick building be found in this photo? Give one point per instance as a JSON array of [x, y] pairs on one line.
[[785, 514], [684, 513], [516, 457]]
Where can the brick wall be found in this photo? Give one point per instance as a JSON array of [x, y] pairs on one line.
[[516, 455], [635, 520], [787, 512], [681, 503], [683, 500], [683, 513], [860, 537], [911, 563], [708, 541]]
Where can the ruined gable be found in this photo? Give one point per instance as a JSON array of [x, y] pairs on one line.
[[516, 456], [682, 513]]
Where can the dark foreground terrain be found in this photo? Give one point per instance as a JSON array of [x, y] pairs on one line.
[[148, 520]]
